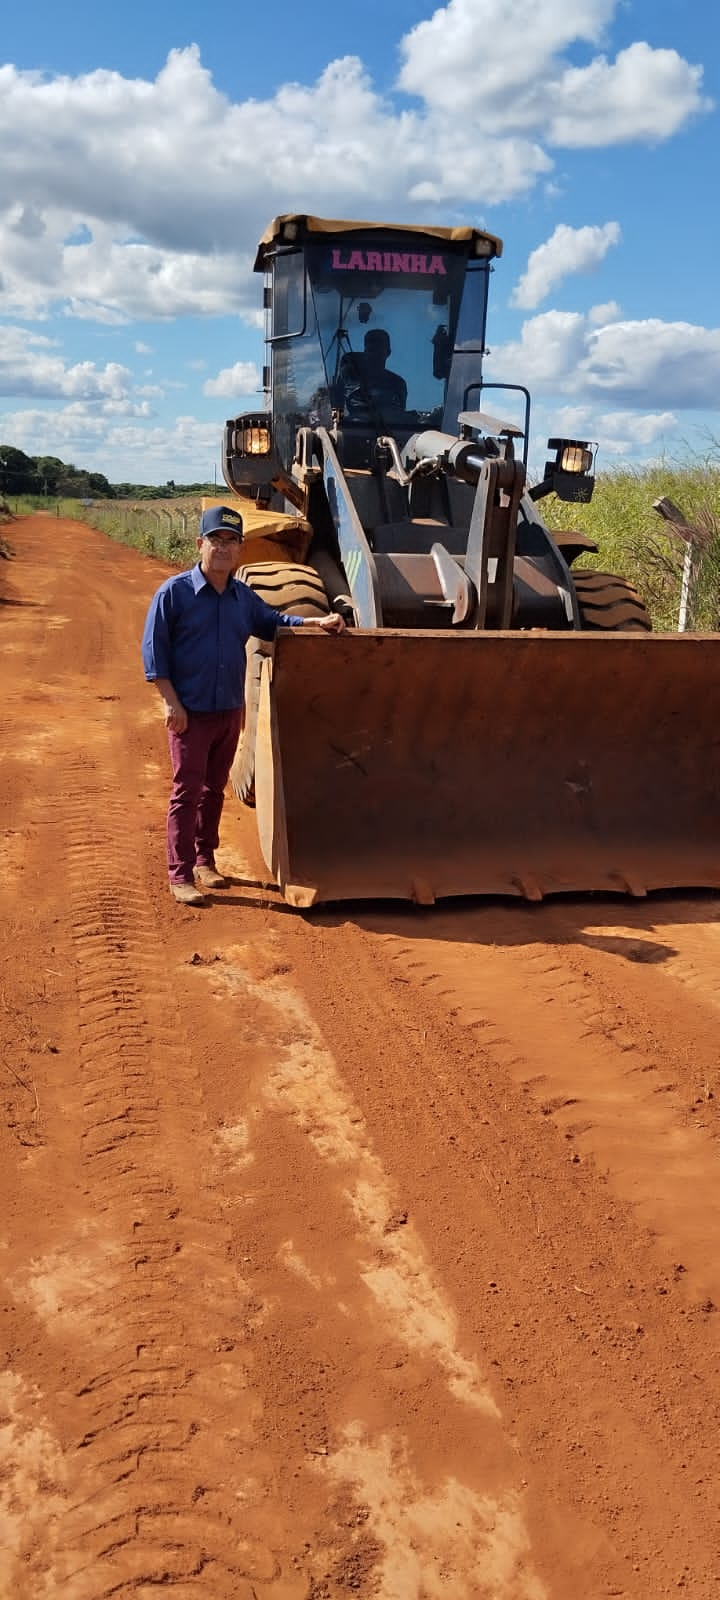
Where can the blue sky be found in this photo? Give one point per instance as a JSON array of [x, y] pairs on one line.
[[144, 148]]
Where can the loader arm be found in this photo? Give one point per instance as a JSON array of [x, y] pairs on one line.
[[355, 553], [492, 540]]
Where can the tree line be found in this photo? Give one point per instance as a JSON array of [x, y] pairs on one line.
[[47, 475]]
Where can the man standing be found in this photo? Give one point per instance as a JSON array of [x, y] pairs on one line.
[[193, 650]]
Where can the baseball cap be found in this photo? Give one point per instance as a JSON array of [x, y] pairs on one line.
[[219, 518]]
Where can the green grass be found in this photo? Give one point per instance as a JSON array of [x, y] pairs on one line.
[[23, 505], [166, 529]]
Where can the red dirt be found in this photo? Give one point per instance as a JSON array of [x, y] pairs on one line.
[[373, 1251]]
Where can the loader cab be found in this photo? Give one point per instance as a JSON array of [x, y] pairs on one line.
[[364, 324], [371, 330]]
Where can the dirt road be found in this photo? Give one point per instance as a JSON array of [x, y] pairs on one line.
[[370, 1252]]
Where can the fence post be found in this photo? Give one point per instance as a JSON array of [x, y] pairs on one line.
[[686, 587], [694, 539]]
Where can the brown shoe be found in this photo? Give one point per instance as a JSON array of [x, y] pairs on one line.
[[210, 878], [187, 894]]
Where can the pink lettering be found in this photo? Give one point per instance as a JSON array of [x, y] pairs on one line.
[[389, 261]]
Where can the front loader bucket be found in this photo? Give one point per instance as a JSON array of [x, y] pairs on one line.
[[418, 764]]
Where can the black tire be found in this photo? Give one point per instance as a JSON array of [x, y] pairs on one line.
[[609, 604], [288, 587]]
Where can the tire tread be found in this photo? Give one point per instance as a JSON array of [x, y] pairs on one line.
[[609, 604]]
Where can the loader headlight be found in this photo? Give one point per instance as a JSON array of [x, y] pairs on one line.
[[575, 458], [570, 474], [253, 440]]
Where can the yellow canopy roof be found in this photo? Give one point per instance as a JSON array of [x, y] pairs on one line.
[[305, 227]]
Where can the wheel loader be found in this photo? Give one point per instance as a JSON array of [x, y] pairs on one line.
[[495, 719]]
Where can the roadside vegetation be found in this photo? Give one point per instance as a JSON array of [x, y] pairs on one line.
[[160, 527], [636, 542]]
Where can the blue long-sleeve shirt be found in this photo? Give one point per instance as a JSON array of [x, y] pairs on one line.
[[197, 637]]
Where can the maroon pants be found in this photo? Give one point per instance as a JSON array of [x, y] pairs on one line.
[[201, 760]]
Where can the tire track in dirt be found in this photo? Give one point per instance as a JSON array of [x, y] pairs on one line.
[[623, 1090], [146, 1490], [604, 1345], [402, 1421], [166, 1413]]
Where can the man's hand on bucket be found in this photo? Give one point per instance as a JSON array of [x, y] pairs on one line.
[[332, 623]]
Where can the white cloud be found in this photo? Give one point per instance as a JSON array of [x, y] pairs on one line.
[[644, 364], [623, 431], [115, 282], [568, 422], [503, 63], [242, 379], [185, 449], [567, 250], [644, 94], [550, 347], [609, 312], [488, 50], [661, 363], [114, 191], [29, 365], [620, 432]]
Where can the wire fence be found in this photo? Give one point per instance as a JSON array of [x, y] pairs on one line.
[[166, 531]]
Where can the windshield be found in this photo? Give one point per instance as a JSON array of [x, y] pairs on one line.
[[385, 307]]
